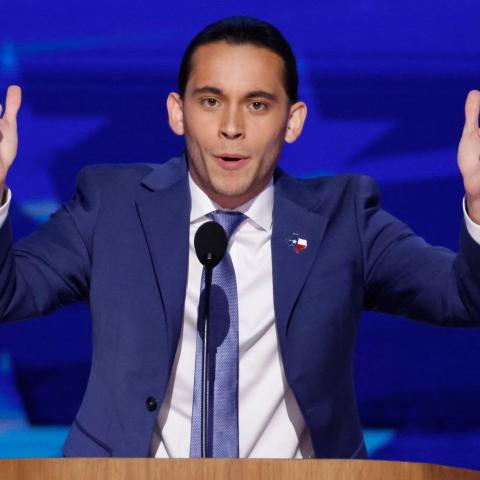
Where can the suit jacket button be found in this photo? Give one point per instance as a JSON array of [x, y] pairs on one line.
[[151, 404]]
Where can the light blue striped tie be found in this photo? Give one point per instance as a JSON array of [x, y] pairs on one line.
[[222, 382]]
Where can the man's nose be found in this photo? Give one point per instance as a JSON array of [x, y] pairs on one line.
[[232, 125]]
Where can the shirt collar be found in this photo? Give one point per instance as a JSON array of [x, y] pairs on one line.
[[259, 209]]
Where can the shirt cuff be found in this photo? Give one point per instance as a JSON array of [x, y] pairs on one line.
[[6, 206], [472, 228]]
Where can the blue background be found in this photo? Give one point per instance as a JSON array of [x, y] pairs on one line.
[[385, 83]]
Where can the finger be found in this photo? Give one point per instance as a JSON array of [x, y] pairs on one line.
[[13, 102], [472, 111]]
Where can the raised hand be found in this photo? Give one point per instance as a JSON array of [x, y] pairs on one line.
[[8, 132], [469, 155]]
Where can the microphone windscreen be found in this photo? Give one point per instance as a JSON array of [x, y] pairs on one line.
[[210, 243]]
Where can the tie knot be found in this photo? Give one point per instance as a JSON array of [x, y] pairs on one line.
[[228, 220]]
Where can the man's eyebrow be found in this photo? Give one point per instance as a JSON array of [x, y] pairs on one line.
[[253, 94], [262, 94], [207, 89]]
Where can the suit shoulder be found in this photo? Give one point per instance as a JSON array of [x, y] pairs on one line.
[[102, 174], [346, 181], [329, 192]]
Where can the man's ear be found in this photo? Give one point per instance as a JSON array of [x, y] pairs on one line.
[[296, 120], [175, 113]]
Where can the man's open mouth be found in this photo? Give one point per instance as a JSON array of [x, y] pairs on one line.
[[231, 158]]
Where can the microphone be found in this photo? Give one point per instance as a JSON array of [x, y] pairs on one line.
[[210, 246]]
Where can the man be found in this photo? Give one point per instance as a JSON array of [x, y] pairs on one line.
[[308, 257]]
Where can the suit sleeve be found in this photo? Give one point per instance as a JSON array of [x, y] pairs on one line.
[[51, 267], [406, 276]]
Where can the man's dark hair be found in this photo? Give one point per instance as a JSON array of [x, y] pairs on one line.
[[239, 31]]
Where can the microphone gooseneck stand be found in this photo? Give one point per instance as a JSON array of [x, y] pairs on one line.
[[204, 416], [210, 246]]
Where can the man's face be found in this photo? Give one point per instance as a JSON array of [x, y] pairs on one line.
[[235, 115]]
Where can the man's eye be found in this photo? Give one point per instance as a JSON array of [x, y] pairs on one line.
[[210, 102], [258, 106]]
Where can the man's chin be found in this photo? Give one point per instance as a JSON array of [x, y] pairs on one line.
[[230, 187], [231, 195]]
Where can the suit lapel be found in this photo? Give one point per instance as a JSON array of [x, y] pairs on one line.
[[290, 269], [163, 204]]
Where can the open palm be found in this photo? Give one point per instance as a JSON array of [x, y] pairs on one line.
[[469, 155], [8, 130]]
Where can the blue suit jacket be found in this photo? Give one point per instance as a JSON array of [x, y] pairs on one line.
[[122, 245]]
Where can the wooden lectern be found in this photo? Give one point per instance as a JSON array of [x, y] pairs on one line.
[[223, 469]]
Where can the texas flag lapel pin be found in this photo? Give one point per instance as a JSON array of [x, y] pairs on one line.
[[297, 243]]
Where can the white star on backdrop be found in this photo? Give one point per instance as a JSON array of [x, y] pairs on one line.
[[29, 178]]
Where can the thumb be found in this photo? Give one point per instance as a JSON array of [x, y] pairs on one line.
[[13, 102], [472, 111]]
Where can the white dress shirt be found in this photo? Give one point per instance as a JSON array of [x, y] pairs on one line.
[[270, 422]]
